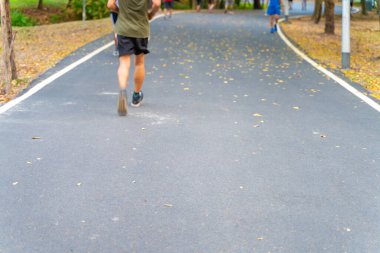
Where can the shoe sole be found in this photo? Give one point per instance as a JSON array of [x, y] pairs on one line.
[[122, 107], [136, 105]]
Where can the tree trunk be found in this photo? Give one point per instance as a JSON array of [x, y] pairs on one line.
[[69, 4], [317, 11], [194, 2], [257, 5], [40, 4], [329, 17], [8, 39], [364, 8], [220, 4]]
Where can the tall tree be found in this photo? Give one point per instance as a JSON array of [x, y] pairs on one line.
[[329, 16], [317, 11], [8, 52], [364, 7], [40, 4], [194, 2]]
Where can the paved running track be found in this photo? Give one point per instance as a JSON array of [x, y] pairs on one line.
[[240, 146]]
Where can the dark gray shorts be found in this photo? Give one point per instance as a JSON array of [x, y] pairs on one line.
[[168, 5], [129, 46]]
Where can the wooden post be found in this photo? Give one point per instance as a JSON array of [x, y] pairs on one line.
[[84, 10], [8, 52]]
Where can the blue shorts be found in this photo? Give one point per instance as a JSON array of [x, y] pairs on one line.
[[274, 10]]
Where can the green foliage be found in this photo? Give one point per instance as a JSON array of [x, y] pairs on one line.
[[19, 19], [95, 9], [245, 5], [180, 6], [21, 4], [56, 18]]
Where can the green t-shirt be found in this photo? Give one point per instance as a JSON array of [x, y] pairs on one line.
[[133, 19]]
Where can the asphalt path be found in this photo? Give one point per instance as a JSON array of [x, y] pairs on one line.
[[240, 146]]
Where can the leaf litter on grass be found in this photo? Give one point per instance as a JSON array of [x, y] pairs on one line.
[[326, 49], [39, 48]]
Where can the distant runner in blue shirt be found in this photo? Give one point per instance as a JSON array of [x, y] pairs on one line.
[[274, 10]]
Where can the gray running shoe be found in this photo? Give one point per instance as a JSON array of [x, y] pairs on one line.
[[122, 104]]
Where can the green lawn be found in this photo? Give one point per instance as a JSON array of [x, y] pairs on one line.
[[19, 4]]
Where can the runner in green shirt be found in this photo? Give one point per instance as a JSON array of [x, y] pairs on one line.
[[132, 28]]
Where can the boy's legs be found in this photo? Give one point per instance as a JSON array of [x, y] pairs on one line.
[[123, 74], [123, 71], [171, 8], [271, 18], [276, 16], [272, 25], [199, 5], [139, 74], [210, 5]]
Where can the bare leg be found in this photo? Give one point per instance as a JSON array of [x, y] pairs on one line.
[[170, 12], [210, 7], [139, 74], [276, 16], [123, 71], [271, 21]]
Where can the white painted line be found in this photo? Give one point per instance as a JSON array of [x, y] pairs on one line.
[[57, 75], [337, 79]]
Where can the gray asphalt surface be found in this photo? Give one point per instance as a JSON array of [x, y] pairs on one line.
[[240, 146]]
